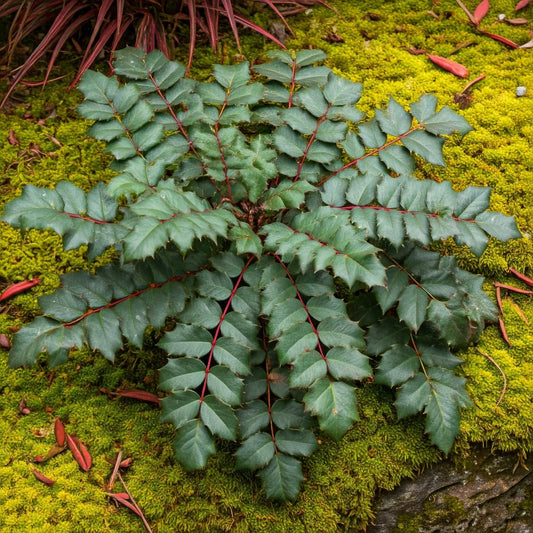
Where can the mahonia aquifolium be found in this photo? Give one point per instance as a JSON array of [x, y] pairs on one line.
[[242, 205]]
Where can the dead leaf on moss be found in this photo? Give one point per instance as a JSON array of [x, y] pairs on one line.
[[43, 479], [12, 138], [23, 407], [4, 342]]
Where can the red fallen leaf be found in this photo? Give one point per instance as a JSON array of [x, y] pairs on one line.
[[521, 277], [43, 479], [504, 331], [481, 10], [59, 431], [503, 40], [126, 463], [136, 394], [4, 342], [499, 298], [516, 22], [38, 459], [521, 4], [126, 503], [80, 453], [449, 65], [12, 138], [17, 288]]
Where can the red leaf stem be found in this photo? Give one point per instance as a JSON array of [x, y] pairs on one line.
[[372, 152], [138, 511], [521, 277], [269, 395], [511, 288], [109, 486], [217, 331], [293, 84], [309, 318], [503, 331], [468, 14], [19, 287], [309, 143], [118, 497], [132, 295], [137, 394], [381, 208], [503, 40], [499, 299]]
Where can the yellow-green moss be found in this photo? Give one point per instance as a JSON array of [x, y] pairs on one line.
[[341, 478]]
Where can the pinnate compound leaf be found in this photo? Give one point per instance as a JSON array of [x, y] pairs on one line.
[[498, 225], [412, 306], [103, 332], [290, 414], [394, 120], [348, 364], [413, 396], [425, 145], [282, 477], [334, 404], [193, 445]]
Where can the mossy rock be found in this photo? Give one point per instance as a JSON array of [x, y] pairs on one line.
[[341, 478]]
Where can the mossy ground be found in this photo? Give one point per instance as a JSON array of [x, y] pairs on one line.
[[341, 478]]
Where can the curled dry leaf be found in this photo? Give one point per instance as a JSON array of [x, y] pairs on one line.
[[23, 407], [43, 479], [529, 44], [4, 342], [17, 288], [123, 495], [59, 431], [126, 463], [481, 10], [521, 4], [12, 138], [449, 65], [80, 453]]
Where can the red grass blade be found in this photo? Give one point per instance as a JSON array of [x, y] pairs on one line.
[[17, 288], [481, 10], [192, 36], [102, 12], [42, 479], [449, 65], [274, 8], [249, 24], [105, 36], [230, 14]]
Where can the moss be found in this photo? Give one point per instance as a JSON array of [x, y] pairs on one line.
[[341, 478]]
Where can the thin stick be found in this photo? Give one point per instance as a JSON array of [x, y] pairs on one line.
[[115, 471], [146, 525], [501, 372]]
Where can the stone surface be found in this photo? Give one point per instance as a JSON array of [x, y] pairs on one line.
[[488, 494]]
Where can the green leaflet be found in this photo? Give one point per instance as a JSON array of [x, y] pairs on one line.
[[334, 404], [273, 240]]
